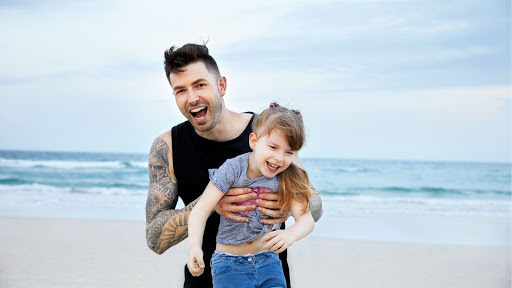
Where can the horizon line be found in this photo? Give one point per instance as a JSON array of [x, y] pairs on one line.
[[312, 158]]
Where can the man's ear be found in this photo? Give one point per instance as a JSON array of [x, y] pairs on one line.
[[252, 140], [222, 85]]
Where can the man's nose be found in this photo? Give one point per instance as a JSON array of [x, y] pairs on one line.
[[193, 98]]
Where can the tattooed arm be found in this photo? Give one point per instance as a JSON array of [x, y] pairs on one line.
[[316, 207], [165, 225]]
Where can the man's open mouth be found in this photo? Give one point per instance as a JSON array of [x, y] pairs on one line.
[[199, 112]]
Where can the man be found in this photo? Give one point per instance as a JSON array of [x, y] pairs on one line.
[[180, 158]]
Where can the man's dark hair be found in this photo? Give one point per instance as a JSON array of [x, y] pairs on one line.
[[177, 58]]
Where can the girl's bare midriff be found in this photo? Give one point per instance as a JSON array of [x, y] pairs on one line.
[[247, 248]]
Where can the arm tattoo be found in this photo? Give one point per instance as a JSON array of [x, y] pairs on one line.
[[316, 207], [165, 226]]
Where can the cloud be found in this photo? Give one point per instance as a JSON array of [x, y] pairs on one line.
[[452, 124], [49, 39], [373, 78]]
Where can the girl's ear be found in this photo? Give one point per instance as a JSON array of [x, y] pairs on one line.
[[252, 140]]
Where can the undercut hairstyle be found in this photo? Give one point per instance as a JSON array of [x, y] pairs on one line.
[[177, 58], [294, 184]]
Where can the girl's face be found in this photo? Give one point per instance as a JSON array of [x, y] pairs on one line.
[[272, 154]]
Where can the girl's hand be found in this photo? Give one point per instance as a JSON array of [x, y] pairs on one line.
[[278, 241], [195, 262]]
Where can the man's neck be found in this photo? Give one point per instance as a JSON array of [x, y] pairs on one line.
[[230, 125]]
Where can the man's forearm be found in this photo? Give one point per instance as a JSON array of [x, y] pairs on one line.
[[168, 228]]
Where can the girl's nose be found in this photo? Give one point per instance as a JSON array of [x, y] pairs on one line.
[[279, 158]]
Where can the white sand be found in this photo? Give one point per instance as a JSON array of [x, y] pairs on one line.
[[37, 252]]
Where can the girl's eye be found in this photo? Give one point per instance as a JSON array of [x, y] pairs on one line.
[[291, 153], [272, 147]]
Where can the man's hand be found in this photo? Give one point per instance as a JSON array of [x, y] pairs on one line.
[[268, 204], [227, 207]]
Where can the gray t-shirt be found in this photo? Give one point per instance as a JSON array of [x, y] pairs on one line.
[[231, 174]]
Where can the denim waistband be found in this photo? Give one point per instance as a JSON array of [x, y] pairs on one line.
[[260, 255]]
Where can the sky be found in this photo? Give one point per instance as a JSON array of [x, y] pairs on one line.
[[401, 80]]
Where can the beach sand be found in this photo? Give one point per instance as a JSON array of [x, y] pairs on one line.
[[39, 252]]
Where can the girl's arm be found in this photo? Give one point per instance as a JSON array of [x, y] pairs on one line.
[[196, 224], [279, 240]]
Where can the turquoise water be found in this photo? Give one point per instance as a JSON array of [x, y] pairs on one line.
[[409, 194], [366, 186]]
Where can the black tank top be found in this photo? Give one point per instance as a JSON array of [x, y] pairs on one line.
[[192, 156]]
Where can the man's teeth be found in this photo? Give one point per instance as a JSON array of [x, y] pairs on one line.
[[197, 109]]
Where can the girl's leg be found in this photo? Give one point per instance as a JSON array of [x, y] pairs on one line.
[[229, 271], [270, 270]]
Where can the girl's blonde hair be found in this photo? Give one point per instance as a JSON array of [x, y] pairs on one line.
[[294, 182]]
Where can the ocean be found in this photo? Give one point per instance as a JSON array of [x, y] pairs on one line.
[[375, 200]]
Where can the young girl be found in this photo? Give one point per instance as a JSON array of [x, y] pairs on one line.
[[245, 254]]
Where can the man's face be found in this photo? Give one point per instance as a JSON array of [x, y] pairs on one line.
[[198, 95]]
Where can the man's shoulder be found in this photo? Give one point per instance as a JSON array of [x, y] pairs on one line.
[[242, 123], [162, 146], [182, 129], [247, 116], [165, 137], [183, 124], [161, 153]]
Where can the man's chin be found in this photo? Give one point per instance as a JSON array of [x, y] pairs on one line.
[[201, 126], [198, 122]]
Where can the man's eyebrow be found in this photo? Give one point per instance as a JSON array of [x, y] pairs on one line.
[[199, 80], [178, 87], [193, 83]]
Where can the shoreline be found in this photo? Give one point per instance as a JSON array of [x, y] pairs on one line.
[[468, 230], [56, 252]]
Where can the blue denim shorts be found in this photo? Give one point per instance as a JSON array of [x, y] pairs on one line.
[[262, 270]]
